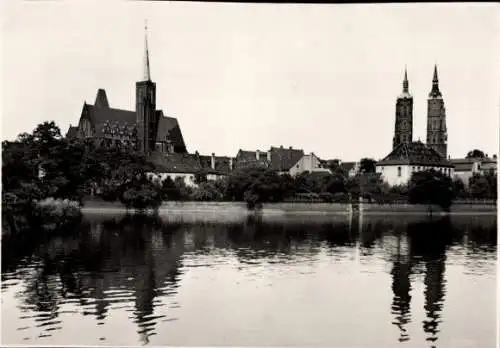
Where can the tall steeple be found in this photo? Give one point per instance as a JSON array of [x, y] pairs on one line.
[[403, 128], [147, 71], [437, 135], [145, 105], [435, 93]]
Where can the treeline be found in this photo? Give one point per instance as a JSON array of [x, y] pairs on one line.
[[44, 165]]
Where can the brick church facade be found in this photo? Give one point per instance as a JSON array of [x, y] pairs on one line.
[[145, 129]]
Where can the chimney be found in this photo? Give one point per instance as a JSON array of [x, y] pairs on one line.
[[269, 156], [230, 163], [494, 156], [257, 155], [212, 161]]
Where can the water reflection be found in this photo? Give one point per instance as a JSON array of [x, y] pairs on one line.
[[136, 265]]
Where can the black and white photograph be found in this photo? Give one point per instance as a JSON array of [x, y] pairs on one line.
[[230, 174]]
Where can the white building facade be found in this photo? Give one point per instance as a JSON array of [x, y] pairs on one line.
[[398, 167]]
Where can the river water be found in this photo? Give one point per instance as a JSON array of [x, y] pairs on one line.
[[400, 281]]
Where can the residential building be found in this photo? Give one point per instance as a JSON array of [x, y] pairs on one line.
[[351, 168], [465, 168], [308, 163]]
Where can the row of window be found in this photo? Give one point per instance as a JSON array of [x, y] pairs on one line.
[[446, 171]]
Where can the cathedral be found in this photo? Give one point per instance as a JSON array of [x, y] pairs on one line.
[[146, 129], [408, 156], [437, 137]]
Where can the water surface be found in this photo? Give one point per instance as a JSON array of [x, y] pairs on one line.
[[273, 281]]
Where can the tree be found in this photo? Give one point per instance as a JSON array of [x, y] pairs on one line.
[[367, 165], [200, 177], [431, 187], [459, 188], [141, 194], [475, 154], [483, 185]]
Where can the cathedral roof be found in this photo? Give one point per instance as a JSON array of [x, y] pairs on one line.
[[168, 129], [415, 153]]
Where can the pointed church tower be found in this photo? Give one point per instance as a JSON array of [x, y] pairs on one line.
[[145, 105], [403, 128], [437, 137]]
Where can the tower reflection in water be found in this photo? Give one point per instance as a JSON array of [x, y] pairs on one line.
[[135, 264]]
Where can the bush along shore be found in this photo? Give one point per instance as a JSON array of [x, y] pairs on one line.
[[46, 178]]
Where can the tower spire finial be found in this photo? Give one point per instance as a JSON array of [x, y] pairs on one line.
[[147, 72], [405, 82], [435, 84]]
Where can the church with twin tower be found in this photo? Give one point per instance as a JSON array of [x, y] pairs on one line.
[[409, 156], [437, 137]]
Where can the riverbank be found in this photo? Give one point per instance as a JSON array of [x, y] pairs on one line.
[[239, 208]]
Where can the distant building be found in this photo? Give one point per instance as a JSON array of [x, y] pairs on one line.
[[187, 166], [281, 160], [308, 163], [278, 159], [351, 168], [465, 168]]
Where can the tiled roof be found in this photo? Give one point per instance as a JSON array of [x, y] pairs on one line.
[[222, 164], [415, 153], [190, 163], [282, 159], [168, 129], [463, 164], [176, 162], [245, 156]]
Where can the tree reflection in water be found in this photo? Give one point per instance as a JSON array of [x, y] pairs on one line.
[[135, 263]]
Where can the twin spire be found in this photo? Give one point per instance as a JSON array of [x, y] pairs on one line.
[[435, 84], [147, 70]]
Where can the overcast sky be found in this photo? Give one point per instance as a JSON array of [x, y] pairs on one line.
[[323, 78]]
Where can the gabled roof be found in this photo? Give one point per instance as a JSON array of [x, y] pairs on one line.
[[283, 159], [415, 153]]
